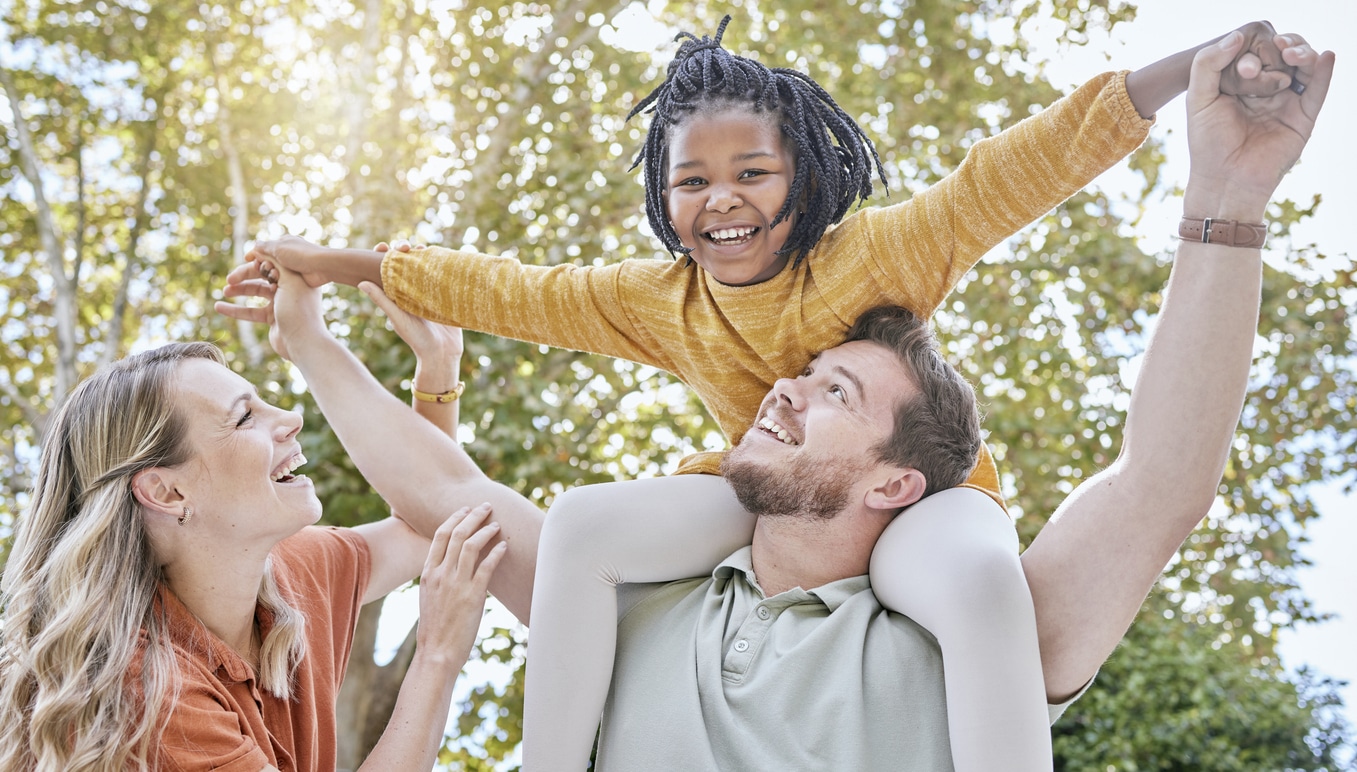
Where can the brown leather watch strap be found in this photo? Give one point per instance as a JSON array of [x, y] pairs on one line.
[[1224, 232]]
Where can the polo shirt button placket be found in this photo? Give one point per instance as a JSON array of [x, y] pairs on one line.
[[742, 645], [764, 613]]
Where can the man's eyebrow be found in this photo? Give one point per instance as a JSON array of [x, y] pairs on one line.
[[857, 383]]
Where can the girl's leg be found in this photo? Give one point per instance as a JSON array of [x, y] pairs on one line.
[[950, 563], [594, 538]]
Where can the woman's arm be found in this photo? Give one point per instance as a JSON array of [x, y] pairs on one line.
[[397, 551], [452, 590], [420, 471]]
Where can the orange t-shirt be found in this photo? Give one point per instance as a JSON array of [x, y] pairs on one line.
[[222, 719]]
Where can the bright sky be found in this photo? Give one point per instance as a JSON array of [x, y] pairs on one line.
[[1328, 168]]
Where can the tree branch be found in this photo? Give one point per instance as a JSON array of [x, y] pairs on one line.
[[140, 221], [535, 72], [240, 205], [63, 284], [38, 420]]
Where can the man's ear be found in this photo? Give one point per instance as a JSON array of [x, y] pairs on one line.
[[154, 489], [897, 490]]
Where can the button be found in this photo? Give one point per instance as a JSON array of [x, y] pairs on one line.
[[764, 613], [742, 645]]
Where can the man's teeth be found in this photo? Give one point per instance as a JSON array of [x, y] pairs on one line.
[[731, 234], [286, 469], [781, 433]]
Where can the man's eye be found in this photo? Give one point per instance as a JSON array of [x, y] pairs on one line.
[[839, 392]]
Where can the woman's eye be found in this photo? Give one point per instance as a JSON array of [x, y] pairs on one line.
[[244, 419]]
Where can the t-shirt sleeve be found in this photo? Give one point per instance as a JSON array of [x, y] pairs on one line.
[[582, 308], [203, 734], [921, 248]]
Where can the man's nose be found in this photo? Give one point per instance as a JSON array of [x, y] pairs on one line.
[[790, 391]]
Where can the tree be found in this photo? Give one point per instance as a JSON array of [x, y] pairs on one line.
[[145, 144]]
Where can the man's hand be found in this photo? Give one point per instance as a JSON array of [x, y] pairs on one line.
[[1241, 146]]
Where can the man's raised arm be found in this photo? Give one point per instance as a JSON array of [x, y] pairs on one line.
[[1093, 564]]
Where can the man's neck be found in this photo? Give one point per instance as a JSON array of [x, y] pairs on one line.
[[790, 551]]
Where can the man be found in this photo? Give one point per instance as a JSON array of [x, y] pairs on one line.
[[753, 696]]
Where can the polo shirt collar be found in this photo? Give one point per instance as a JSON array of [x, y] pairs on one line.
[[833, 594]]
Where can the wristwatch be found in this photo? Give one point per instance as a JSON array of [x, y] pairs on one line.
[[1227, 233]]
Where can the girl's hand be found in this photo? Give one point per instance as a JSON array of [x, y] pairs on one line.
[[453, 585], [290, 252], [1241, 146]]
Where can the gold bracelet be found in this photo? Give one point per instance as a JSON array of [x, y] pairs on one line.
[[450, 395]]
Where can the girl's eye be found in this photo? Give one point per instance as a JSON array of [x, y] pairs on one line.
[[690, 182], [249, 414], [750, 173]]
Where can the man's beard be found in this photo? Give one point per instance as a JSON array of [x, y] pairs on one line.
[[804, 487]]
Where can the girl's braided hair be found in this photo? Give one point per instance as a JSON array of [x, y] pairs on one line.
[[832, 165]]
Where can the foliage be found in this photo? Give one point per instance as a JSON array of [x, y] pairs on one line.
[[167, 134], [1213, 710]]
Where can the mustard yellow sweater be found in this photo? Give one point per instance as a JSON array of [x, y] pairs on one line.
[[731, 343]]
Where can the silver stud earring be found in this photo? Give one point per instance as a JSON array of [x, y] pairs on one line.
[[187, 516]]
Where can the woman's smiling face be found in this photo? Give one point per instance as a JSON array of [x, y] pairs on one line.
[[240, 478], [729, 175]]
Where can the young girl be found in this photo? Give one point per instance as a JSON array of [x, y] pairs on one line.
[[746, 170]]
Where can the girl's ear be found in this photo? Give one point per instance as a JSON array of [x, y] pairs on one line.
[[154, 489], [899, 489]]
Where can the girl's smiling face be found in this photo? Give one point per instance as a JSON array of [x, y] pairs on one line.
[[729, 175]]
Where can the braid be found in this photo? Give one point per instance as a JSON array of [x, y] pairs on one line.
[[834, 157]]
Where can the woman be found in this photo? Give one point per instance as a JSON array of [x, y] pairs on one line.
[[168, 603]]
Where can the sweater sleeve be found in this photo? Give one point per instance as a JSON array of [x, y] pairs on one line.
[[583, 308], [922, 247]]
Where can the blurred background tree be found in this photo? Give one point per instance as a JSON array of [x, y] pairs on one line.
[[146, 143]]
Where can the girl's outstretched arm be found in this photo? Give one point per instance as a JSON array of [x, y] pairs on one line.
[[596, 537], [950, 562]]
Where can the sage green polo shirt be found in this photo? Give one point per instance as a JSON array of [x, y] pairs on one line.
[[711, 675]]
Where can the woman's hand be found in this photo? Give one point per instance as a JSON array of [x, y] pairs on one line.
[[454, 583], [293, 308]]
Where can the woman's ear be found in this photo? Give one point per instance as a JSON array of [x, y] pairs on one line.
[[155, 489], [899, 489]]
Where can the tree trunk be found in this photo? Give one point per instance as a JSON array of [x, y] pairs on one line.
[[63, 284]]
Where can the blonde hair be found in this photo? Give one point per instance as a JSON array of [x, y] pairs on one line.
[[79, 591]]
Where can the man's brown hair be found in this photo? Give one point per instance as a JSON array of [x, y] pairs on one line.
[[938, 430]]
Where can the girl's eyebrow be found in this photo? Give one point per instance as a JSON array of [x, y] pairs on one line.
[[741, 158]]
